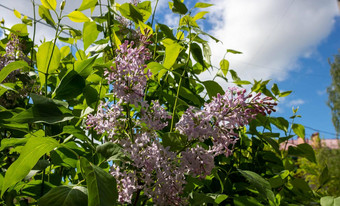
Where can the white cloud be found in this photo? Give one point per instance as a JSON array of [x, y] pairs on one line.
[[272, 35], [295, 103]]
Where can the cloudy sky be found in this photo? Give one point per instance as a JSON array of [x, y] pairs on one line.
[[287, 41]]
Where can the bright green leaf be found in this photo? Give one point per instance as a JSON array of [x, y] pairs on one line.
[[46, 15], [87, 4], [17, 14], [10, 68], [34, 149], [200, 15], [172, 50], [48, 60], [90, 33], [84, 67], [224, 64], [299, 130], [202, 5], [49, 4], [78, 16], [64, 51]]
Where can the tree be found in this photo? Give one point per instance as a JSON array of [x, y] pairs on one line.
[[334, 93]]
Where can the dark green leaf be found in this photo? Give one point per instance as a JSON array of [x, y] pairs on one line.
[[167, 31], [280, 123], [233, 51], [84, 67], [196, 52], [246, 201], [261, 185], [129, 11], [35, 148], [179, 7], [303, 150], [70, 86], [110, 151], [65, 195], [145, 9], [213, 88], [187, 94], [102, 187], [174, 140], [324, 177], [275, 89]]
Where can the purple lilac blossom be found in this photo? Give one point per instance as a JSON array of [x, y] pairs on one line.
[[157, 171], [219, 118], [155, 117], [127, 76]]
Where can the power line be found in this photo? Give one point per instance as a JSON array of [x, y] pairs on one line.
[[38, 21]]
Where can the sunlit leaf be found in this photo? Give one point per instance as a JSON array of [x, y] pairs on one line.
[[48, 60], [78, 16], [299, 130], [90, 33], [202, 5], [35, 148], [87, 4], [17, 14], [10, 68], [45, 14], [172, 50], [224, 64], [49, 4]]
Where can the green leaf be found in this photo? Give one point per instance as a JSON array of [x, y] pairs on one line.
[[200, 15], [145, 9], [196, 52], [64, 51], [12, 142], [20, 29], [172, 50], [187, 94], [242, 82], [207, 52], [11, 67], [49, 4], [213, 88], [275, 89], [44, 110], [224, 64], [34, 149], [303, 150], [48, 60], [131, 12], [280, 122], [324, 177], [261, 185], [233, 51], [84, 67], [284, 94], [155, 68], [78, 16], [17, 14], [299, 130], [246, 201], [90, 33], [87, 4], [330, 201], [110, 151], [179, 7], [174, 140], [167, 31], [102, 187], [70, 86], [65, 195], [64, 157], [234, 75], [202, 5], [46, 15]]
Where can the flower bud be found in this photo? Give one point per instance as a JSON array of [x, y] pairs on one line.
[[62, 5]]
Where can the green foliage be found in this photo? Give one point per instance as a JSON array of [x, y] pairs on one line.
[[333, 93], [49, 156]]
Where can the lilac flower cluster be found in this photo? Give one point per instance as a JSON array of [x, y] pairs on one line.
[[218, 119], [158, 173], [127, 76], [155, 117], [109, 119]]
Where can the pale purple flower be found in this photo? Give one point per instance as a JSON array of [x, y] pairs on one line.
[[127, 76], [155, 117]]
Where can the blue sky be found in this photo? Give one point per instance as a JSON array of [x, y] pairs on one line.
[[287, 41]]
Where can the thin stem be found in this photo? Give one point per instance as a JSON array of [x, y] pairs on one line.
[[154, 12], [34, 31], [109, 25]]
